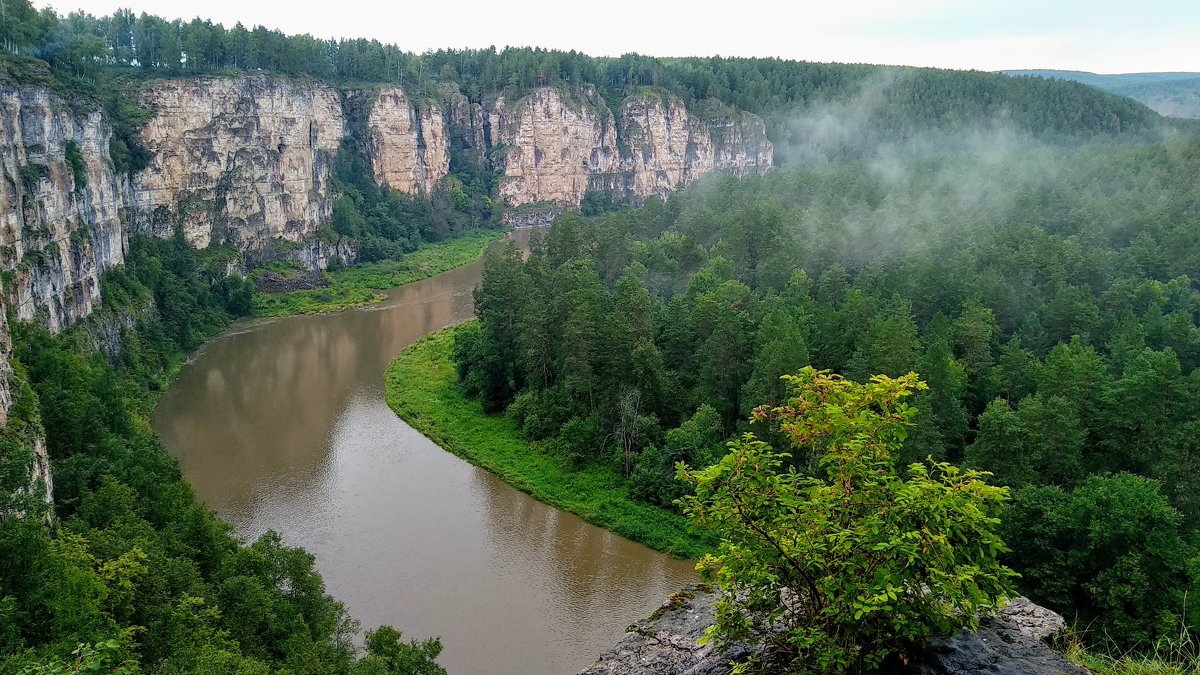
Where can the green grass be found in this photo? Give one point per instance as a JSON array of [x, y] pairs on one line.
[[362, 284], [1172, 655], [422, 388]]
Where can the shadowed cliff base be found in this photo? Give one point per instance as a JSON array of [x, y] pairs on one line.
[[364, 284]]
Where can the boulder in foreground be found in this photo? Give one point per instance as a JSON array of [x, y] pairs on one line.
[[1011, 642]]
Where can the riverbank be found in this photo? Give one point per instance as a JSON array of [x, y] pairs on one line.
[[422, 388], [364, 284]]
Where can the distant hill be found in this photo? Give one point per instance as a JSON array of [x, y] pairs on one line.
[[1168, 94]]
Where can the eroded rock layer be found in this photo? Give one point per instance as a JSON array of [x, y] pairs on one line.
[[61, 204], [248, 160], [241, 160]]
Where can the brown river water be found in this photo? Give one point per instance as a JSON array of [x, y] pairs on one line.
[[281, 424]]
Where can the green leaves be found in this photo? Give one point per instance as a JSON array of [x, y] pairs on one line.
[[838, 570]]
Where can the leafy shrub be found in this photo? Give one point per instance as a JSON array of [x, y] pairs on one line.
[[1112, 553], [838, 571], [75, 160]]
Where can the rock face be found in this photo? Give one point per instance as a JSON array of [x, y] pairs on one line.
[[669, 147], [406, 143], [466, 123], [247, 161], [554, 148], [739, 141], [30, 445], [1012, 642], [667, 642], [59, 231], [241, 160], [6, 371]]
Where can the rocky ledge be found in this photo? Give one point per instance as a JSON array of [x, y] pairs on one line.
[[270, 281], [1011, 642]]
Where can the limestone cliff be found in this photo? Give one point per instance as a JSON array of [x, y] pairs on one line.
[[739, 140], [247, 160], [59, 230], [242, 160], [554, 147], [668, 146], [466, 123], [406, 143]]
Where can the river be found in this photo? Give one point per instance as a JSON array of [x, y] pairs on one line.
[[281, 424]]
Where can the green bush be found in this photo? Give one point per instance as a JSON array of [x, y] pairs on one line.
[[75, 161], [838, 571]]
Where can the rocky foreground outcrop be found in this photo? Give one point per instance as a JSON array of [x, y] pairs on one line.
[[1011, 642]]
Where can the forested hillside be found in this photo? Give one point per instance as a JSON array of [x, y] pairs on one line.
[[1168, 94], [136, 575], [1046, 298]]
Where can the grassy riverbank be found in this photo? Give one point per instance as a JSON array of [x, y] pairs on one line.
[[422, 388], [363, 284]]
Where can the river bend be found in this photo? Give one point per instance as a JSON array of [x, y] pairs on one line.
[[281, 424]]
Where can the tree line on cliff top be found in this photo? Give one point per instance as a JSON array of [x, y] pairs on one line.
[[82, 48]]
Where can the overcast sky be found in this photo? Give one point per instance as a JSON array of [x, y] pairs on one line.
[[1107, 36]]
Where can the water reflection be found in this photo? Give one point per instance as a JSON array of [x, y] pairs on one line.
[[281, 424]]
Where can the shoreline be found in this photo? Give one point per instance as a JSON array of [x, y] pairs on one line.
[[421, 387], [483, 238], [367, 284]]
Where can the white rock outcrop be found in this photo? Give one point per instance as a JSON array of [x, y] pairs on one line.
[[241, 160]]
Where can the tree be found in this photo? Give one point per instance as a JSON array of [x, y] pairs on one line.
[[889, 345], [976, 331], [782, 348], [696, 442], [942, 430], [1039, 443], [723, 357], [1111, 553], [20, 25], [387, 654], [855, 563]]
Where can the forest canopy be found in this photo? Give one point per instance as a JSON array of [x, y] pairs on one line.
[[1048, 300], [83, 50]]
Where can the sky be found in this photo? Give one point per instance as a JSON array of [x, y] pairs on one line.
[[1104, 36]]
